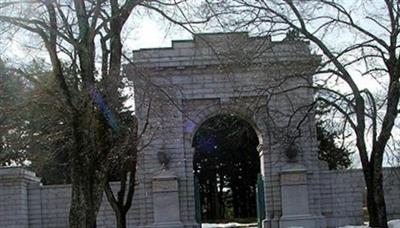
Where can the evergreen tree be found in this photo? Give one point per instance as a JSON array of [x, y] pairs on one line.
[[337, 156], [33, 129], [11, 87]]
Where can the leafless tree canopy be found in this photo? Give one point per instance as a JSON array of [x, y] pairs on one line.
[[84, 46], [358, 42]]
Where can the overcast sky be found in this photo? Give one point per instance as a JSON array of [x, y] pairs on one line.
[[152, 32], [144, 32], [148, 32]]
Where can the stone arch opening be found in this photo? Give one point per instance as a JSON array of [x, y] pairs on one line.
[[226, 165]]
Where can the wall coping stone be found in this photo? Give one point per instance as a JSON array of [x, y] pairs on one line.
[[12, 174], [214, 49]]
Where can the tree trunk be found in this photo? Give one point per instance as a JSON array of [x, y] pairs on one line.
[[85, 201], [83, 213], [121, 220], [214, 199], [376, 200], [371, 206], [86, 177], [220, 196], [381, 206], [380, 198], [117, 204]]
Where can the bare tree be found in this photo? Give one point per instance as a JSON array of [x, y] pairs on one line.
[[75, 34], [356, 40], [123, 165], [368, 49]]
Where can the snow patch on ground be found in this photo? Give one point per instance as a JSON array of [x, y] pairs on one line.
[[394, 223], [391, 224], [353, 227], [227, 225]]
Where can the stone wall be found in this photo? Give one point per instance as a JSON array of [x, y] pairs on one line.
[[14, 197], [343, 195], [25, 203], [264, 82], [226, 74]]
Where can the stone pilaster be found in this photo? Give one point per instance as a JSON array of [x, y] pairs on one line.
[[166, 200], [295, 202], [14, 208]]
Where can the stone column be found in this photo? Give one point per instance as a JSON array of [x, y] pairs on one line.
[[166, 200], [14, 208], [294, 196]]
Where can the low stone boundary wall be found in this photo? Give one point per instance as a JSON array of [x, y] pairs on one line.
[[25, 203], [343, 195]]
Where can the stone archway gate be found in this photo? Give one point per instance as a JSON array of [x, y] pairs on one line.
[[265, 83], [176, 89]]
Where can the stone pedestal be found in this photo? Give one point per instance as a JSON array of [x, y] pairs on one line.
[[294, 195], [270, 223], [14, 192], [166, 200]]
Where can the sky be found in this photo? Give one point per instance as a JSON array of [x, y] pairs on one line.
[[152, 33], [147, 32]]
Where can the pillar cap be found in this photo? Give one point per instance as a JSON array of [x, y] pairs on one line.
[[293, 168], [164, 174], [17, 173]]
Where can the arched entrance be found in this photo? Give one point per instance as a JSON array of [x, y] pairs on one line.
[[178, 88], [226, 165]]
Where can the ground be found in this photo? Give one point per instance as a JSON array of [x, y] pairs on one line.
[[392, 224]]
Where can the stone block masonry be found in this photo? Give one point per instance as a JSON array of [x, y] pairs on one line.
[[261, 81], [226, 74], [343, 195], [25, 203]]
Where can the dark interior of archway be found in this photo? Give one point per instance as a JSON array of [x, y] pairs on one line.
[[226, 164]]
